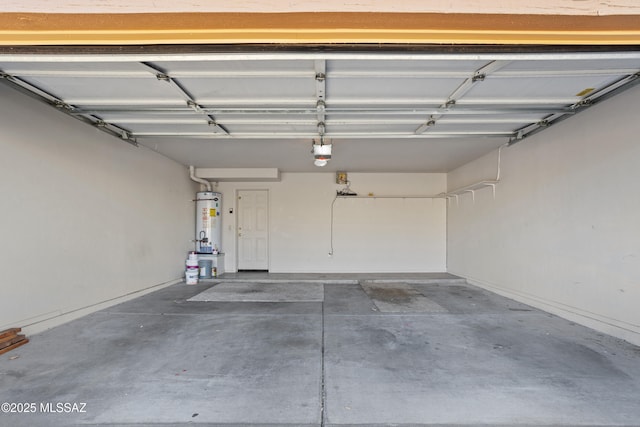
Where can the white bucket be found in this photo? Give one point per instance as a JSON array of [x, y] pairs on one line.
[[192, 260], [191, 276]]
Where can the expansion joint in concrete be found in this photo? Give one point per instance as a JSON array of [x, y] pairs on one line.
[[323, 393]]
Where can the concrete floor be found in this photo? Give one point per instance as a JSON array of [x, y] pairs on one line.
[[390, 350]]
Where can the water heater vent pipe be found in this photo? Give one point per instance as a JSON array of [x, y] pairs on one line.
[[192, 172]]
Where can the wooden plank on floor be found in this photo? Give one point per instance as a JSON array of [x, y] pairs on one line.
[[9, 332], [16, 345], [6, 342], [7, 338]]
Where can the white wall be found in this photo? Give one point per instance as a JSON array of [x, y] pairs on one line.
[[370, 235], [85, 217], [563, 232], [548, 7]]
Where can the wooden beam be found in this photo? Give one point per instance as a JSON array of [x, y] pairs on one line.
[[9, 341], [9, 333], [13, 346], [31, 29]]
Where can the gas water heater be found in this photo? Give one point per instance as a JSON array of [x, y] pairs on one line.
[[208, 222]]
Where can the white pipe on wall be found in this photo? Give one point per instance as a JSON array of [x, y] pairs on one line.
[[192, 174], [480, 184]]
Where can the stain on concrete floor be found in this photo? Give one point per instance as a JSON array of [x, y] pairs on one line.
[[399, 297]]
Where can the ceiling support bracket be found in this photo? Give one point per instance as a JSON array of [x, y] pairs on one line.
[[191, 102], [478, 76], [163, 77], [47, 98], [321, 86], [591, 99], [473, 195]]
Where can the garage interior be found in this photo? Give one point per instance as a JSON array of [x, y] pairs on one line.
[[466, 255]]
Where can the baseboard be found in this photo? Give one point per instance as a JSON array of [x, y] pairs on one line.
[[614, 327], [57, 318]]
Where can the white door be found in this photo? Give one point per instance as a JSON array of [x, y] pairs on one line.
[[253, 230]]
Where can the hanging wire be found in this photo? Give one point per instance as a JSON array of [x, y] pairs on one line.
[[331, 229], [346, 191]]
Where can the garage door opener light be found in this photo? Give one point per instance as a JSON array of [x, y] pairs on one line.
[[321, 153]]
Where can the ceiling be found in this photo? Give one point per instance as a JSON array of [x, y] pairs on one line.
[[381, 111]]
